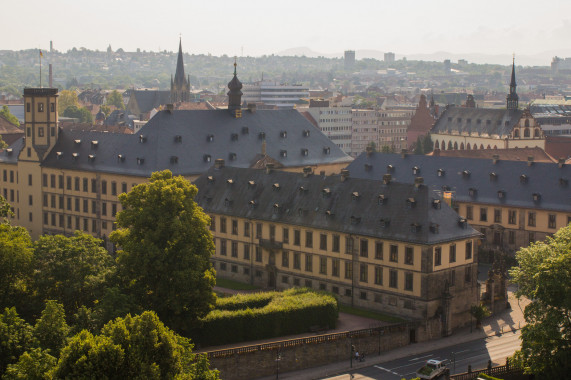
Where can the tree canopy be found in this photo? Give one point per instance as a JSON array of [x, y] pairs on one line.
[[166, 247], [66, 99], [543, 275], [82, 114], [5, 112], [115, 99], [15, 262]]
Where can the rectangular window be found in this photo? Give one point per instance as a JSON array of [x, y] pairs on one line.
[[297, 260], [364, 248], [29, 180], [222, 247], [497, 215], [512, 216], [113, 188], [363, 273], [53, 181], [409, 255], [86, 225], [379, 250], [223, 225], [323, 265], [40, 131], [285, 279], [85, 205], [93, 225], [296, 237], [378, 275], [94, 207], [234, 227], [469, 212], [258, 230], [336, 244], [53, 201], [349, 245], [258, 254], [551, 221], [247, 229], [76, 183], [437, 256], [394, 254], [104, 209], [234, 249], [113, 209], [246, 251], [28, 107], [285, 235], [44, 179], [348, 270], [309, 239], [468, 275], [68, 183], [531, 237], [452, 253], [272, 232], [30, 200], [94, 185], [323, 242], [124, 187], [85, 185], [468, 250], [223, 267], [40, 107], [308, 263], [234, 268], [103, 187], [393, 278], [408, 281], [335, 267], [483, 214], [531, 219], [285, 259], [511, 237]]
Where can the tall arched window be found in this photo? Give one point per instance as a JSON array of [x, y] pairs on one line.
[[450, 145], [526, 132], [516, 133], [527, 123]]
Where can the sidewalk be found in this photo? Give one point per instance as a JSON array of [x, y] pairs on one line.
[[507, 321]]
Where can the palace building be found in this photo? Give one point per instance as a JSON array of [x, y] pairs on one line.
[[380, 245]]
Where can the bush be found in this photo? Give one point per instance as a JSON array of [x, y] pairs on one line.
[[266, 315]]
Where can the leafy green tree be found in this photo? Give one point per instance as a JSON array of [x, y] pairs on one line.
[[5, 211], [66, 99], [16, 337], [34, 364], [166, 245], [5, 112], [15, 262], [543, 275], [72, 270], [51, 330], [427, 144], [479, 312], [105, 109], [82, 114], [419, 148], [3, 144], [115, 99]]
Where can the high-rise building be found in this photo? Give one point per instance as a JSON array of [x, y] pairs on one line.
[[389, 57], [349, 59], [275, 94]]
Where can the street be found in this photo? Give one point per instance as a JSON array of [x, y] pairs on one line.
[[475, 353]]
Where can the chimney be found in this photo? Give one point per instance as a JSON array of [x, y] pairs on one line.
[[369, 151], [51, 77], [529, 160], [495, 158], [219, 163], [387, 179], [307, 171], [418, 181], [344, 175], [264, 147], [269, 168], [170, 107], [436, 152], [561, 162], [252, 107], [403, 153]]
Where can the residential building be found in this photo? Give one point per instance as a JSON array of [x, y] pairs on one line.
[[275, 94], [335, 122], [379, 245], [393, 124], [365, 130]]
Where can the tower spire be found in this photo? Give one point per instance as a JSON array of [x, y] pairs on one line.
[[512, 99], [235, 94], [180, 86]]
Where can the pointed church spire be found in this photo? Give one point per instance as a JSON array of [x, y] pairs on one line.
[[512, 99], [235, 95], [179, 73], [180, 86]]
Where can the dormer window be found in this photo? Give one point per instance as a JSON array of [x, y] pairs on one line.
[[75, 156], [326, 193], [445, 188], [434, 228], [277, 208], [252, 204], [466, 173], [493, 176], [563, 182], [262, 135], [501, 194], [411, 203], [210, 178], [472, 192], [302, 189], [142, 139], [232, 156], [478, 121], [94, 144], [355, 220], [300, 211], [91, 158], [390, 168], [415, 170], [121, 157], [384, 222], [234, 137], [355, 196], [209, 138], [283, 153], [227, 202], [178, 139], [304, 151], [283, 134], [207, 158], [276, 186], [368, 167], [77, 142], [251, 183], [440, 172], [326, 150], [414, 227], [536, 197], [329, 214], [462, 222], [174, 160], [306, 133], [436, 203], [245, 130], [230, 181], [382, 199], [523, 178], [140, 160], [59, 155]]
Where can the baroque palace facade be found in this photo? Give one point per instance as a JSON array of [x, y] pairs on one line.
[[377, 244]]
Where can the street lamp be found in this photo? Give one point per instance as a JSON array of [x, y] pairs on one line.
[[278, 358]]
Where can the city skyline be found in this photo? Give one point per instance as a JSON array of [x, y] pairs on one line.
[[254, 28]]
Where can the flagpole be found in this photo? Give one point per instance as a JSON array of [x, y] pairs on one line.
[[40, 68]]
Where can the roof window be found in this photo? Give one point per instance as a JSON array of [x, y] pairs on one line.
[[230, 181], [326, 193], [536, 197], [251, 183], [283, 153], [563, 182], [326, 150], [74, 156], [384, 222], [228, 202], [234, 137], [390, 168], [178, 139], [501, 194], [207, 158], [77, 142], [245, 130], [411, 203], [462, 222], [276, 186], [277, 208], [94, 144], [382, 199], [252, 204], [355, 196], [415, 170], [441, 172], [523, 178], [493, 176], [142, 139], [91, 158], [472, 192], [262, 135], [436, 203], [210, 178], [283, 134], [59, 155], [140, 160], [121, 157], [232, 156], [414, 227], [304, 151], [209, 138], [306, 133], [174, 160], [434, 228], [466, 173], [355, 219], [368, 167]]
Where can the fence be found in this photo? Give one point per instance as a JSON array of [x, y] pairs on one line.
[[503, 370]]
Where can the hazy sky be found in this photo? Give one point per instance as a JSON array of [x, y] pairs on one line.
[[406, 27]]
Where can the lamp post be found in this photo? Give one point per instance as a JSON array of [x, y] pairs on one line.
[[278, 358], [351, 351]]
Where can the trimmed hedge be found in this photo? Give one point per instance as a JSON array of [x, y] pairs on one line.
[[247, 317]]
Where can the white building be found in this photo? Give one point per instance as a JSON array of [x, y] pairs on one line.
[[334, 122], [276, 94]]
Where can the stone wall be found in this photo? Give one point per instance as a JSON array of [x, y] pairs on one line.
[[261, 360]]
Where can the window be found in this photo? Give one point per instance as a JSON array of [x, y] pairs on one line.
[[113, 209], [409, 255], [234, 268], [452, 253], [234, 249], [323, 242], [285, 235], [348, 292], [364, 248], [258, 254], [531, 237], [40, 107], [246, 251], [223, 225], [308, 263], [103, 187], [113, 188], [483, 214], [296, 281], [222, 247], [85, 185], [349, 245], [348, 270], [94, 207], [497, 215], [68, 183], [234, 227], [551, 221], [323, 265], [223, 266], [53, 181], [531, 219], [44, 179], [93, 224], [29, 180], [393, 278], [437, 256], [30, 200], [285, 279], [297, 260], [103, 207], [296, 237], [85, 205], [258, 230], [285, 259], [40, 131], [394, 254], [408, 281], [247, 229], [272, 232], [468, 275], [511, 237], [468, 250], [378, 275], [246, 271], [512, 216], [124, 187], [363, 273], [308, 239], [336, 244], [94, 185], [335, 267], [308, 284], [379, 250], [363, 295]]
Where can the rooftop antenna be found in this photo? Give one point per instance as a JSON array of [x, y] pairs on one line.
[[41, 55]]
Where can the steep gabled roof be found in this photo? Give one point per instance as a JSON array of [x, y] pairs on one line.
[[406, 213], [147, 100], [477, 120]]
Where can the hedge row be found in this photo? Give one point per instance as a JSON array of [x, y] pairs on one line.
[[245, 301], [293, 311]]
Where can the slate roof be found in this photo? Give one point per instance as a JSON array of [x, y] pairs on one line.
[[353, 204], [147, 100], [548, 180], [477, 120], [179, 141], [512, 154]]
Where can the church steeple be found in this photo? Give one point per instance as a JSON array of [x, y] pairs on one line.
[[180, 86], [512, 99], [235, 94]]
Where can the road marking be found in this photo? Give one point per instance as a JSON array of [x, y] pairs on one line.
[[459, 352], [422, 357], [387, 370]]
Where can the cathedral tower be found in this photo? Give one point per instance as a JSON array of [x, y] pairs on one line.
[[512, 99], [180, 86], [235, 95]]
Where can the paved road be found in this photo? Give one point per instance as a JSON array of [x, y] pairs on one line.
[[476, 353]]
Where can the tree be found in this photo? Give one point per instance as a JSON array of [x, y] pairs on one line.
[[427, 145], [115, 99], [5, 211], [82, 114], [3, 144], [66, 99], [15, 262], [164, 261], [51, 330], [5, 112], [72, 270], [479, 312], [418, 147], [105, 109], [543, 275], [16, 337], [34, 364]]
